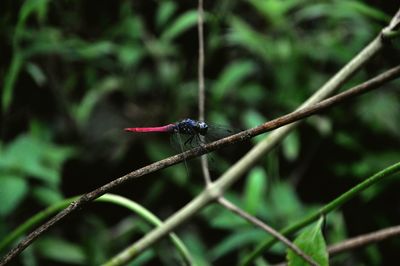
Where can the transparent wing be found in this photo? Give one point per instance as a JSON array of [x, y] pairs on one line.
[[216, 132], [184, 142]]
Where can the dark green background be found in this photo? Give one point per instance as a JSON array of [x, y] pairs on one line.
[[75, 73]]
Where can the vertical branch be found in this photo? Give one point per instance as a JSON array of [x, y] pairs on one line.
[[204, 162], [201, 60]]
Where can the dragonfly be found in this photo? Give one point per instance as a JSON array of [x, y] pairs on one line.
[[192, 131]]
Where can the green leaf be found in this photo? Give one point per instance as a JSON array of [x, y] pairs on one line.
[[32, 157], [224, 219], [373, 255], [252, 118], [369, 164], [60, 250], [10, 78], [284, 202], [365, 10], [12, 191], [242, 34], [255, 189], [103, 87], [347, 140], [381, 111], [253, 94], [236, 241], [47, 196], [31, 6], [291, 146], [49, 40], [180, 25], [197, 247], [132, 27], [165, 12], [274, 10], [129, 55], [158, 151], [231, 78], [36, 73], [312, 243], [97, 49]]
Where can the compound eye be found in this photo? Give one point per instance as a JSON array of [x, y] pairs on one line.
[[202, 125]]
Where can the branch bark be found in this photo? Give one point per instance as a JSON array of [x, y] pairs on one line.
[[363, 240]]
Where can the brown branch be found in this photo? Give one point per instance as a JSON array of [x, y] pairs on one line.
[[364, 240], [242, 136], [266, 228]]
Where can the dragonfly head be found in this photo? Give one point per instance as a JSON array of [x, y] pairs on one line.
[[203, 127]]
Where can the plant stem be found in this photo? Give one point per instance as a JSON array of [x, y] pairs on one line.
[[111, 198]]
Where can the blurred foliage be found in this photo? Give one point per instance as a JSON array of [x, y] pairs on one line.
[[74, 73]]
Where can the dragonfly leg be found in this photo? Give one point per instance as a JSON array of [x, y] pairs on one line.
[[189, 140], [200, 141]]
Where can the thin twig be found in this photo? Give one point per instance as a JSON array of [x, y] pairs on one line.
[[201, 60], [242, 136], [202, 97], [364, 240], [266, 228]]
